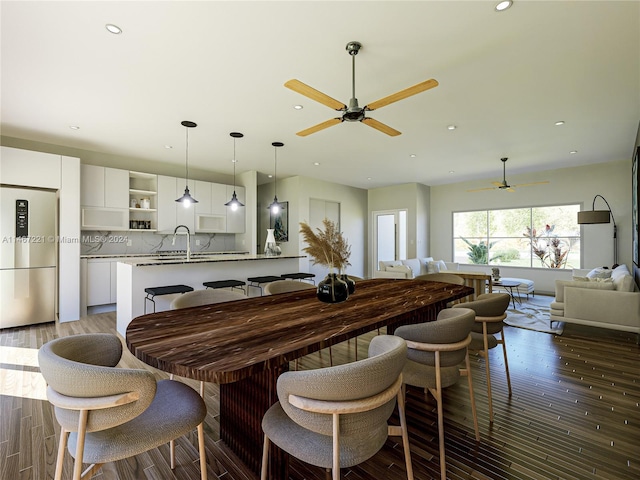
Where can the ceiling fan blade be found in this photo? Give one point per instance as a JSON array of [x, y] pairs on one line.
[[381, 127], [481, 189], [497, 184], [529, 184], [313, 94], [318, 127], [402, 94]]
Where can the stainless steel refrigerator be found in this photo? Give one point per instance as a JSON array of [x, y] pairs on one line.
[[28, 256]]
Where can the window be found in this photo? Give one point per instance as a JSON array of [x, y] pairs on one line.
[[536, 237]]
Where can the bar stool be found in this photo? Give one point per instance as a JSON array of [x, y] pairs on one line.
[[239, 284], [300, 276], [257, 282], [153, 292]]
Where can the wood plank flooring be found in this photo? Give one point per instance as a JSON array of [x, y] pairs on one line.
[[574, 414]]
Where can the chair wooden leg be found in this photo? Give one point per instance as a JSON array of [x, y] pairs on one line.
[[82, 429], [265, 458], [64, 434], [506, 362], [405, 434], [438, 395], [336, 447], [487, 369], [203, 453], [472, 396]]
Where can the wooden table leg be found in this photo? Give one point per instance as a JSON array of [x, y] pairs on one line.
[[242, 406]]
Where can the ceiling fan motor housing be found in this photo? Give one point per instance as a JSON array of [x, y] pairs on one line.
[[354, 113]]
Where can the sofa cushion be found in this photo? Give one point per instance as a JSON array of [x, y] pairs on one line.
[[623, 282], [404, 269], [561, 284], [414, 264], [436, 266]]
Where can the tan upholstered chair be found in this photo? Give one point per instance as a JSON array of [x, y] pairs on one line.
[[285, 286], [442, 277], [205, 297], [490, 311], [336, 417], [435, 352], [108, 413]]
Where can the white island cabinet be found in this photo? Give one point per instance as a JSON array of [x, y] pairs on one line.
[[135, 275]]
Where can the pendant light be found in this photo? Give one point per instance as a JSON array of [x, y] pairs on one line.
[[234, 203], [275, 206], [187, 199]]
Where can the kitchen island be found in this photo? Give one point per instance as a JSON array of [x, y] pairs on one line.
[[137, 274]]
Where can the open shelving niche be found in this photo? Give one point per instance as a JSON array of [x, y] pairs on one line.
[[143, 186]]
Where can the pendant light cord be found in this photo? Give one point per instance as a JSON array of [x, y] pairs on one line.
[[275, 171], [187, 158]]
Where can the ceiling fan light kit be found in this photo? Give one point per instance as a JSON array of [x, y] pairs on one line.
[[353, 112]]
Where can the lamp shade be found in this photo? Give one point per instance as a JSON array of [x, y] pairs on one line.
[[594, 216]]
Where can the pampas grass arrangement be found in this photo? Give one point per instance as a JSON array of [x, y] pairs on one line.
[[327, 247]]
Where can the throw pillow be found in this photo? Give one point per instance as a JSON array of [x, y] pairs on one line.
[[401, 269], [385, 264], [433, 267], [414, 264], [443, 266], [599, 272], [424, 263]]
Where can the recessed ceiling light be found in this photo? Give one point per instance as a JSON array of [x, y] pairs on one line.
[[316, 163], [116, 30], [451, 127], [451, 172], [270, 175], [413, 155], [74, 127], [233, 160], [168, 147], [298, 107], [559, 122], [368, 178], [502, 6], [573, 152]]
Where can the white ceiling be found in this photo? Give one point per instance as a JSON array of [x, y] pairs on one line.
[[505, 79]]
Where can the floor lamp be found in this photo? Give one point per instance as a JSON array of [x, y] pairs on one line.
[[587, 217]]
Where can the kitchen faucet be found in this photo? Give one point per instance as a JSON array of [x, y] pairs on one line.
[[173, 242]]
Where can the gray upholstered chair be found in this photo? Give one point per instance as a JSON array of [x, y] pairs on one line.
[[285, 286], [435, 352], [106, 413], [205, 297], [336, 417], [490, 311], [442, 277]]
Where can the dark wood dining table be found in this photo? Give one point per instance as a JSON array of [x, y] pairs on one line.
[[245, 345]]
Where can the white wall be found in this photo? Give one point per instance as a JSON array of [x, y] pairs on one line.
[[298, 191], [569, 185]]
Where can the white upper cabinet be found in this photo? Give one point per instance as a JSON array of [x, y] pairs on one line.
[[104, 187]]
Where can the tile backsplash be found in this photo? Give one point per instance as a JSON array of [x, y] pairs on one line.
[[128, 242]]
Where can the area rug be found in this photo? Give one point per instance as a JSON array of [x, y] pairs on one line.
[[533, 314]]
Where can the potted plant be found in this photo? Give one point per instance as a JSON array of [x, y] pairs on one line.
[[328, 247]]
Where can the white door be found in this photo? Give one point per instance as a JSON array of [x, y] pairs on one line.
[[389, 236]]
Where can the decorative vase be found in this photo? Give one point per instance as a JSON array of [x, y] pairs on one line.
[[350, 283], [332, 289], [271, 248]]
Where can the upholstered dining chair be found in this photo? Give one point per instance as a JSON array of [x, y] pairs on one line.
[[441, 277], [336, 417], [107, 413], [435, 352], [490, 311], [285, 286], [208, 296]]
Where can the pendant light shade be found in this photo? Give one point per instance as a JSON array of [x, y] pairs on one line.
[[234, 203], [186, 200], [275, 206]]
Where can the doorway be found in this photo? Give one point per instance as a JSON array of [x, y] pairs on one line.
[[389, 236]]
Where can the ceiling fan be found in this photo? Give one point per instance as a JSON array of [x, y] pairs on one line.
[[354, 113], [503, 185]]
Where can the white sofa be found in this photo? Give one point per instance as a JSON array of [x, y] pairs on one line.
[[612, 302], [412, 267]]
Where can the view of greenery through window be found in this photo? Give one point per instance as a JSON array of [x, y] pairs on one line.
[[538, 237]]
